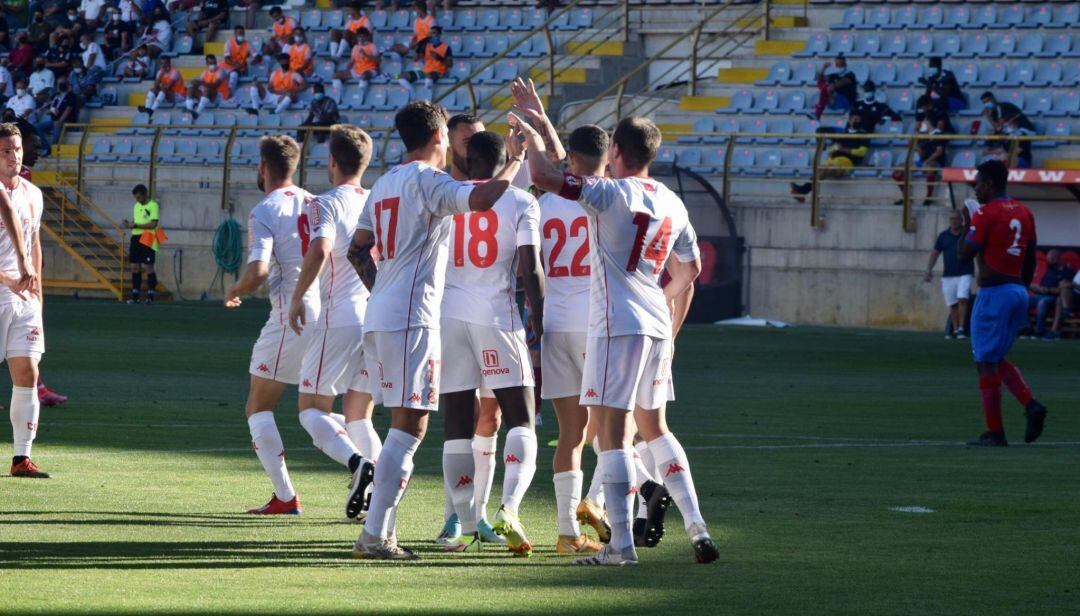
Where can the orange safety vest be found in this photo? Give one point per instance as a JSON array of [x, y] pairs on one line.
[[283, 81], [298, 56], [362, 63], [422, 27], [237, 54], [433, 64], [282, 31], [171, 81], [354, 25], [218, 79]]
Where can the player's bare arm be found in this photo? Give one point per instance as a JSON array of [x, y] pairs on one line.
[[544, 174], [35, 285], [483, 197], [680, 289], [254, 276], [318, 251], [360, 257], [528, 103], [27, 269], [532, 280], [1027, 273]]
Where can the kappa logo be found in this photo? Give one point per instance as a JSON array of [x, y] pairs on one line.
[[491, 358], [415, 398], [35, 331], [633, 490], [307, 383], [511, 459], [591, 393], [263, 368], [672, 469], [464, 481]]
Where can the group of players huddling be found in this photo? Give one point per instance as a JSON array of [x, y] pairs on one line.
[[367, 289], [405, 295]]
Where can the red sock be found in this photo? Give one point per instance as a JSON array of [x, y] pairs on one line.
[[931, 178], [1011, 378], [990, 389]]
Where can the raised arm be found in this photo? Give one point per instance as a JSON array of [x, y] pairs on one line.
[[543, 172], [528, 103]]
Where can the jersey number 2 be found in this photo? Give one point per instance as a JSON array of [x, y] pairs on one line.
[[656, 251], [578, 227], [1017, 228], [387, 244]]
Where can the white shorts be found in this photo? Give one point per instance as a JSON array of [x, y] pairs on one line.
[[956, 288], [407, 364], [332, 360], [21, 331], [279, 352], [484, 356], [562, 361], [625, 372], [359, 380]]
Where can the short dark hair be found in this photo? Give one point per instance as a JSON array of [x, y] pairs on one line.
[[995, 172], [241, 28], [351, 148], [589, 140], [987, 95], [283, 57], [275, 10], [363, 31], [318, 87], [486, 148], [418, 122], [9, 129], [210, 57], [281, 154], [935, 62], [462, 118], [140, 189], [638, 140]]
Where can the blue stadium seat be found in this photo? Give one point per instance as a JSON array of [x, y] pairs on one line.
[[860, 70], [973, 45], [269, 120], [166, 149], [1066, 15], [333, 20], [1059, 128], [964, 159], [320, 43], [292, 119], [1041, 102], [181, 46], [1002, 45], [957, 17], [100, 150], [1068, 104], [312, 20], [514, 19], [713, 160], [400, 20], [724, 126], [1048, 73], [561, 21], [208, 152], [866, 45], [884, 73], [397, 97], [779, 126], [1029, 45], [842, 43], [901, 100], [769, 161], [324, 69], [1011, 16], [992, 74], [921, 45], [375, 99], [474, 46], [878, 17], [465, 19], [498, 44], [318, 154], [984, 17], [792, 101], [893, 45], [853, 17], [460, 72], [741, 100], [379, 19], [931, 17], [878, 164], [947, 45], [967, 73], [1058, 44], [161, 118], [817, 45], [806, 126], [756, 126], [905, 18], [488, 20], [534, 17], [795, 162], [507, 70], [802, 74], [666, 156], [1020, 73], [909, 73], [691, 159], [893, 128], [1013, 96], [779, 73], [701, 125], [581, 18], [353, 97], [394, 152], [767, 101], [185, 152], [742, 161]]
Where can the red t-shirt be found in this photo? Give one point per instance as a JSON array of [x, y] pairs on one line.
[[1004, 230]]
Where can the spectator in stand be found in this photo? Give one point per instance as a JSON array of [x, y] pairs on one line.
[[7, 83], [41, 81], [22, 57], [93, 57], [130, 13], [38, 32], [137, 64], [341, 41], [56, 13], [118, 34], [90, 11], [930, 153], [423, 27], [845, 153], [280, 32], [1006, 119], [301, 55], [251, 9], [871, 110], [1068, 303], [364, 63], [59, 56], [211, 87], [237, 56], [22, 104], [943, 88], [281, 90], [956, 279], [75, 25], [1046, 294], [83, 82], [63, 108], [168, 86], [836, 87], [437, 62], [152, 7], [158, 34], [323, 111], [213, 14]]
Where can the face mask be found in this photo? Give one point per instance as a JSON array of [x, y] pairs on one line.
[[240, 38], [114, 17], [20, 92], [72, 17], [77, 71], [38, 19], [318, 96], [868, 97], [298, 39], [435, 41], [211, 67], [988, 106]]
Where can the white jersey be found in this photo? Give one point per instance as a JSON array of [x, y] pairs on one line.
[[482, 275], [565, 244], [409, 213], [636, 224], [26, 199], [278, 234], [333, 216]]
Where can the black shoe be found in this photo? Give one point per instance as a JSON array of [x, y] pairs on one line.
[[640, 524], [990, 439], [927, 202], [145, 109], [253, 111], [657, 500], [705, 551], [898, 202], [1036, 417], [361, 479], [194, 116]]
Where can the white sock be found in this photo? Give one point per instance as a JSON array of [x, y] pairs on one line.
[[596, 485], [391, 477], [484, 449], [255, 101], [25, 409], [405, 84], [204, 102], [266, 440], [567, 497], [670, 455], [328, 436], [458, 473], [283, 104], [232, 82], [150, 99], [617, 467], [363, 435], [338, 419], [428, 83], [519, 466], [642, 473], [189, 104]]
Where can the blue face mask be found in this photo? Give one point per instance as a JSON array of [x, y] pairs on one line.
[[988, 106], [319, 96], [436, 41]]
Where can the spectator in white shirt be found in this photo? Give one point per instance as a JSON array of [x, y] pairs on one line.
[[129, 11], [92, 55], [22, 103], [158, 37], [91, 12], [41, 80], [7, 86]]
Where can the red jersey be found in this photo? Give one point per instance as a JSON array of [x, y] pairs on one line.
[[1004, 230]]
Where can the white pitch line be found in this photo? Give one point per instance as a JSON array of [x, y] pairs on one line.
[[850, 445]]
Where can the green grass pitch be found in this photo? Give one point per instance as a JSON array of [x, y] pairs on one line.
[[801, 442]]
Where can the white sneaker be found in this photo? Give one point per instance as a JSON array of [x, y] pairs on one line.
[[610, 557]]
